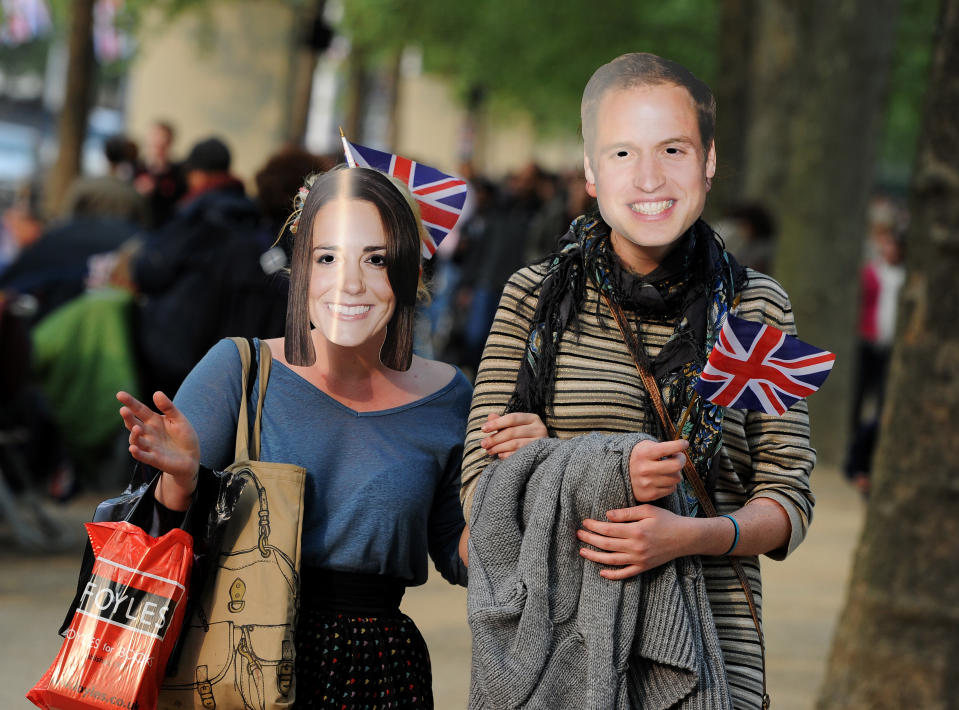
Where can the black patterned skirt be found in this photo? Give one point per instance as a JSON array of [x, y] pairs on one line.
[[355, 649]]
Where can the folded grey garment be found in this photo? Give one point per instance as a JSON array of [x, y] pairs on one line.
[[548, 630]]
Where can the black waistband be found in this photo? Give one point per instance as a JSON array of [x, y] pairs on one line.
[[352, 593]]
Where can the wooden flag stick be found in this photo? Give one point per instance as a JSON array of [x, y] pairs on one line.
[[682, 419]]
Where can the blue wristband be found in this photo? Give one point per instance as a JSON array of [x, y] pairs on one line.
[[736, 538]]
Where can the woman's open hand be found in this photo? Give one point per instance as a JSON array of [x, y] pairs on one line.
[[166, 441]]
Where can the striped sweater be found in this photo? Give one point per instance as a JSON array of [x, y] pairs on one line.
[[598, 389]]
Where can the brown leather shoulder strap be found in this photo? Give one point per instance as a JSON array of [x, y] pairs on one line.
[[242, 448], [689, 469], [248, 448]]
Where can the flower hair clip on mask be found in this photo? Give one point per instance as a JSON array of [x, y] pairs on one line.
[[298, 201]]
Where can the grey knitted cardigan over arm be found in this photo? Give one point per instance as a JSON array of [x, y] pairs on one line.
[[549, 631]]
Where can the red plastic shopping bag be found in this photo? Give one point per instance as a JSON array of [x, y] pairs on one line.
[[130, 613]]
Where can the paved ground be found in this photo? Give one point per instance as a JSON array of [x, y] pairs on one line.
[[802, 599]]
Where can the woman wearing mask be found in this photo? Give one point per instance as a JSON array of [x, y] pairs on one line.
[[378, 429]]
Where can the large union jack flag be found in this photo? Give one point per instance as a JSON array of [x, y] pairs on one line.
[[440, 196], [756, 366]]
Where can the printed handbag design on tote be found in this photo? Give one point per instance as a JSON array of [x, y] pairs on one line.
[[237, 648]]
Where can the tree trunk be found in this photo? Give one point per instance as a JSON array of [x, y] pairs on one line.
[[471, 148], [737, 23], [358, 84], [775, 92], [832, 144], [305, 57], [394, 82], [76, 104], [897, 643]]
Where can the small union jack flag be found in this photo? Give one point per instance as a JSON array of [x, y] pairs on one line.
[[755, 366], [440, 196]]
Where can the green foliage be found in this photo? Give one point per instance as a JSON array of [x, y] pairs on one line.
[[59, 12], [534, 54], [30, 57], [538, 55], [907, 87]]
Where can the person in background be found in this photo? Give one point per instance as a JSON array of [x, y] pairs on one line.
[[33, 454], [749, 231], [568, 202], [378, 429], [495, 251], [22, 224], [161, 182], [113, 194], [200, 277], [81, 333], [280, 176], [880, 281], [54, 258]]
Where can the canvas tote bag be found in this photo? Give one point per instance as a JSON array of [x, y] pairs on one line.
[[237, 647]]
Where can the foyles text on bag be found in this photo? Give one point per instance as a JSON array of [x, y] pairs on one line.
[[205, 521], [237, 646], [125, 624]]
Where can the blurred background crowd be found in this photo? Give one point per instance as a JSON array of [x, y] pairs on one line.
[[150, 150], [154, 260], [149, 153]]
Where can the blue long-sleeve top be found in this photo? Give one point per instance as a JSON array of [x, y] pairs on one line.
[[382, 488]]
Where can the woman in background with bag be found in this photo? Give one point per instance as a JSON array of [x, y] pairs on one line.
[[378, 430]]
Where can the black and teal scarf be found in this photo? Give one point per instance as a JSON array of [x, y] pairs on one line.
[[691, 290]]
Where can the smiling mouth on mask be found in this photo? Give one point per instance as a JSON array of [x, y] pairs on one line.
[[348, 310], [651, 208]]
